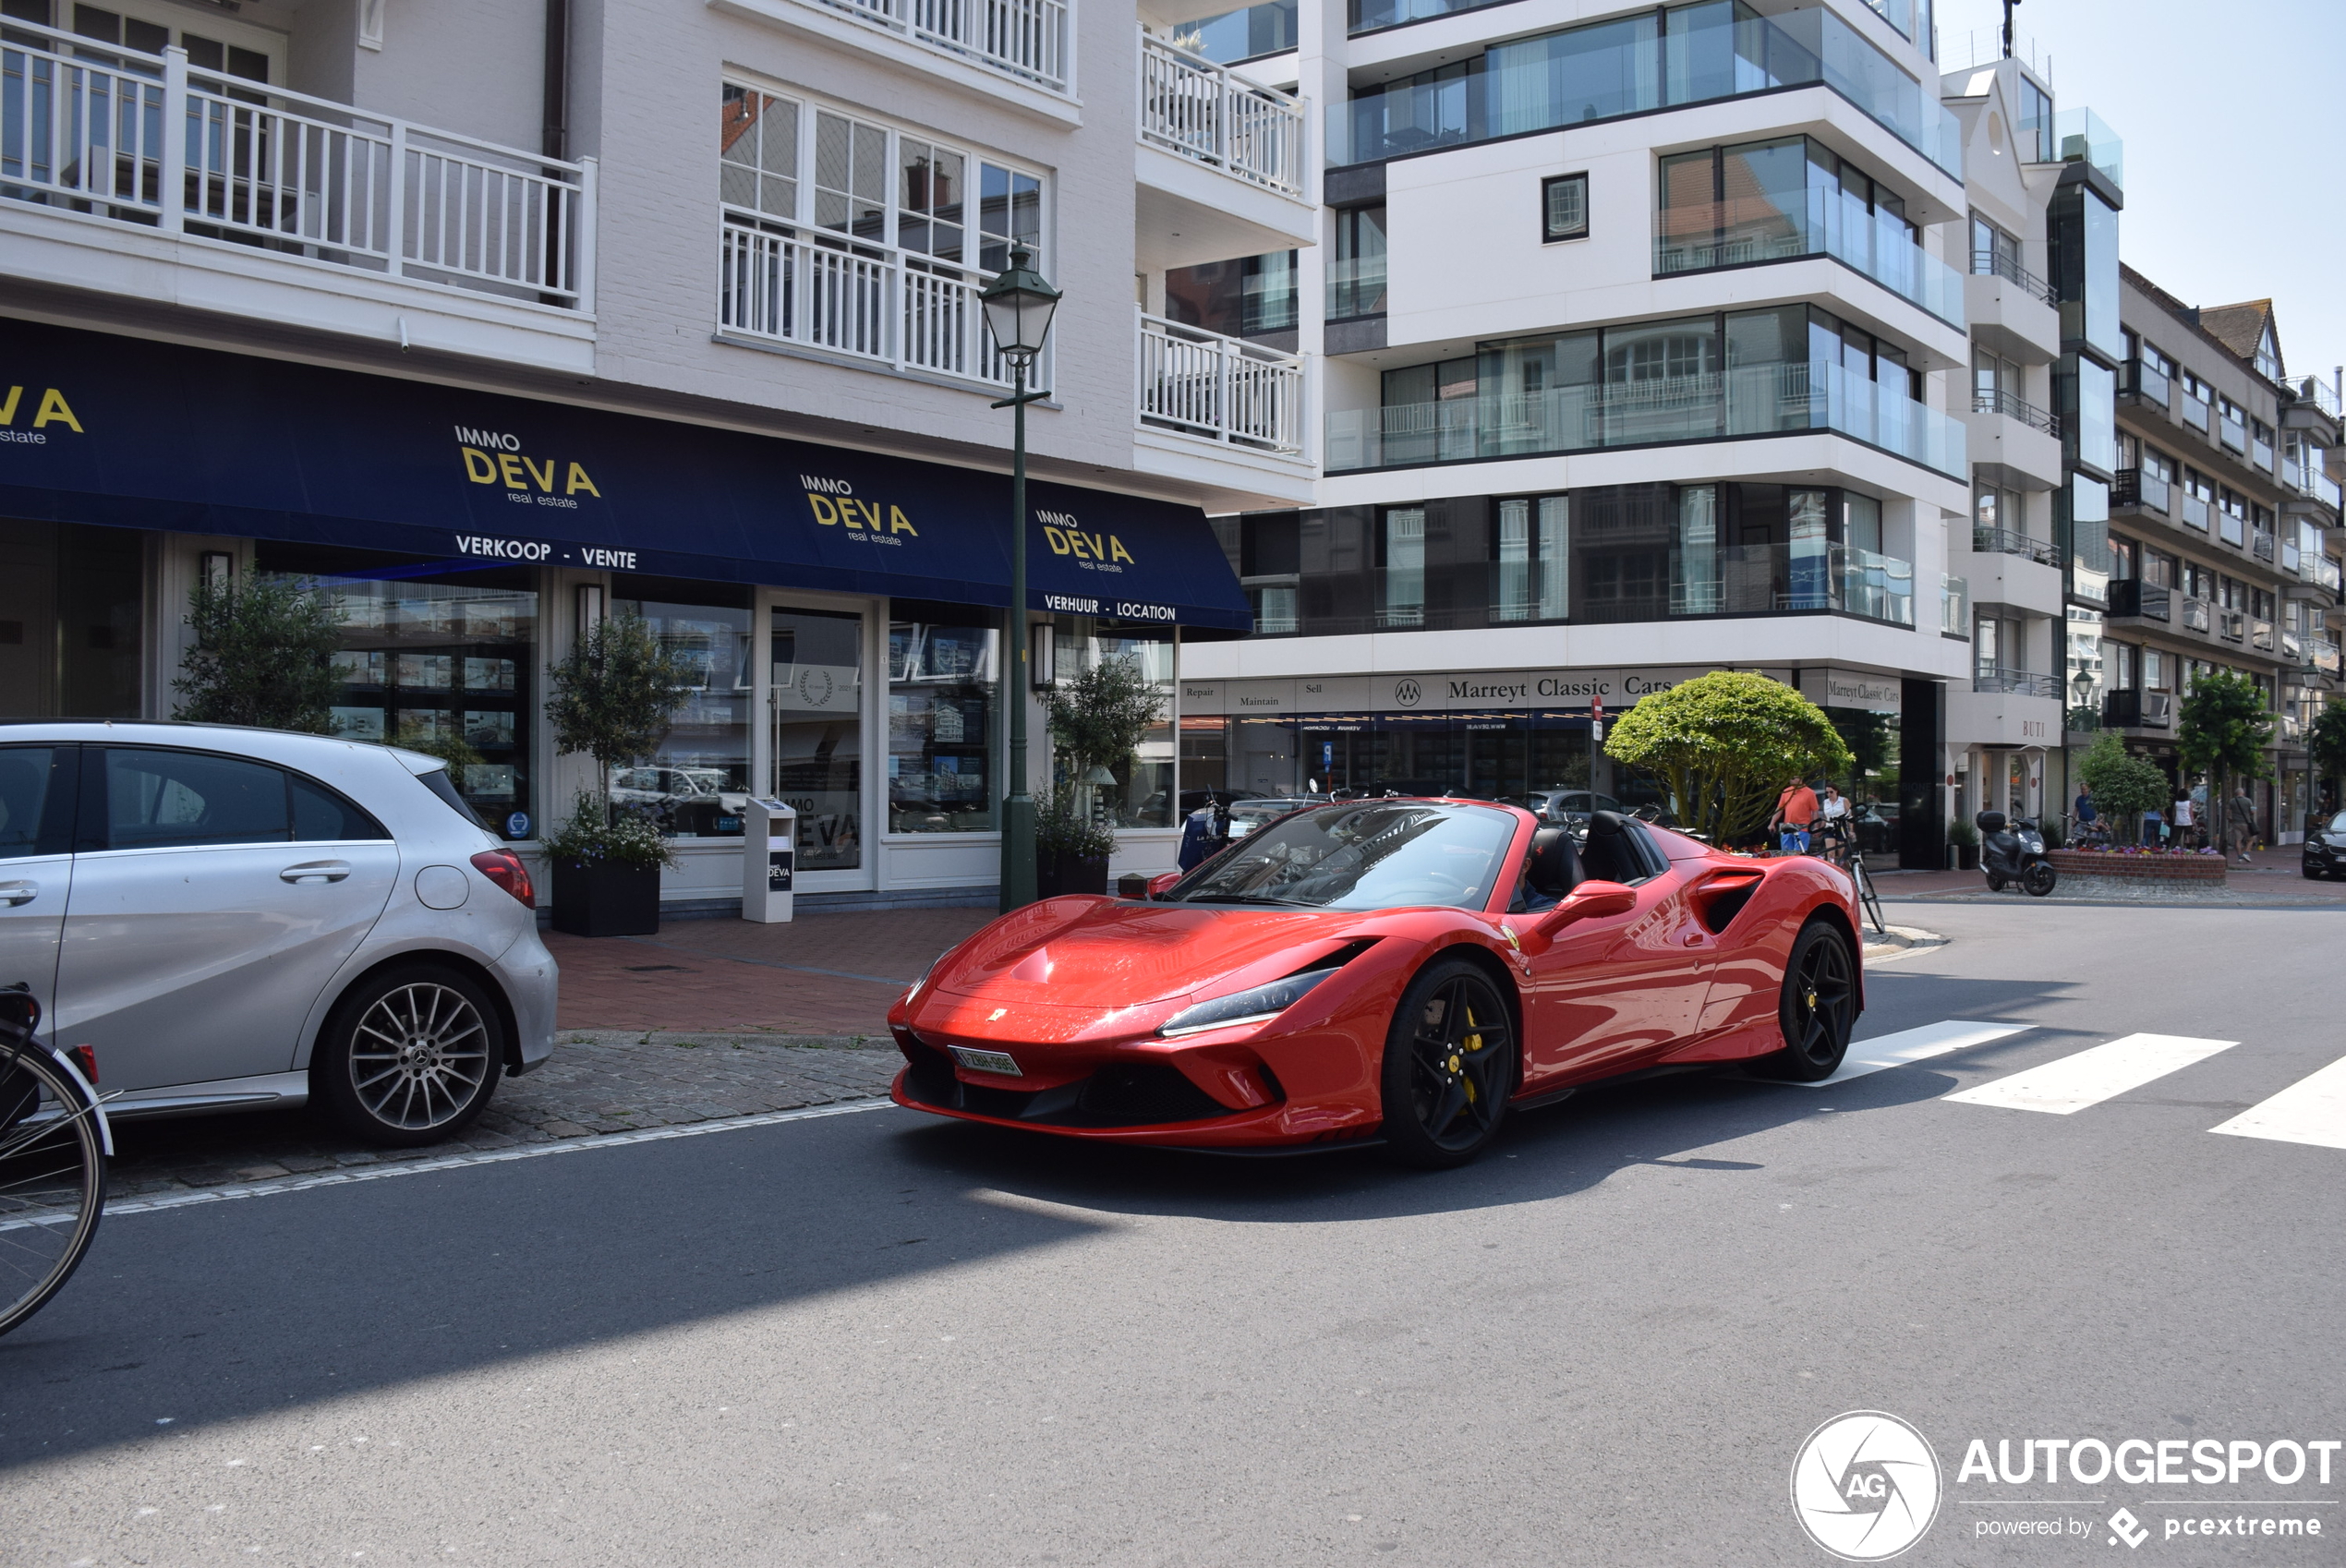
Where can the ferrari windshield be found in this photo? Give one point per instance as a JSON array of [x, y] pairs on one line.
[[1361, 855]]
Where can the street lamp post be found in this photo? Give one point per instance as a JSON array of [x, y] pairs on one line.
[[1017, 304]]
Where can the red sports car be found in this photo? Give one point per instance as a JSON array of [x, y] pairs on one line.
[[1394, 971]]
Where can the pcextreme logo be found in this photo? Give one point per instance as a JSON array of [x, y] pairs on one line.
[[836, 506], [53, 410], [493, 457], [1865, 1486], [1093, 552]]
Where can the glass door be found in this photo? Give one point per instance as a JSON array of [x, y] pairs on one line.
[[816, 660]]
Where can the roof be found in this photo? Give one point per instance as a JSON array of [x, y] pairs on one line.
[[2245, 321], [2241, 327]]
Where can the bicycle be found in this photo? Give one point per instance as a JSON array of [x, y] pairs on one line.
[[54, 1146], [1867, 898]]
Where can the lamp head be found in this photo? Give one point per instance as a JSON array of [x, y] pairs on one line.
[[1019, 302]]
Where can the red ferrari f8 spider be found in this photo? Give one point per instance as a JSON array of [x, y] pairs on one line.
[[1394, 971]]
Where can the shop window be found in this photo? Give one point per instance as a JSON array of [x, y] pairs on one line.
[[818, 659], [1138, 792], [443, 662], [943, 683]]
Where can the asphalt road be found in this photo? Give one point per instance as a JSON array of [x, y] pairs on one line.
[[881, 1338]]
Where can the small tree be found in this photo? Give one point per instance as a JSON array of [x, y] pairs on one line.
[[611, 700], [2125, 786], [1099, 720], [2221, 731], [1724, 743], [2326, 742], [264, 654]]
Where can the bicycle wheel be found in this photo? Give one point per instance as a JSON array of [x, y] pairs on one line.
[[1865, 896], [53, 1183]]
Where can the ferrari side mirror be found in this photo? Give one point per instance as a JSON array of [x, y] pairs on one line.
[[1591, 900], [1162, 883]]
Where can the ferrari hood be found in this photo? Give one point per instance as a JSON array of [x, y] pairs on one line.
[[1094, 953]]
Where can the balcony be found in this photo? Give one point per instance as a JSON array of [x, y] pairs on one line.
[[2197, 413], [2321, 653], [1699, 236], [2198, 616], [2011, 406], [2232, 432], [2231, 626], [1218, 389], [1994, 264], [2014, 683], [2004, 541], [112, 161], [2260, 544], [1023, 40], [2146, 384], [2260, 453], [1757, 400], [2137, 710], [2325, 573], [2196, 510], [815, 290], [2013, 443], [1356, 287], [2140, 489], [1220, 162], [2131, 598], [2012, 310], [2261, 636]]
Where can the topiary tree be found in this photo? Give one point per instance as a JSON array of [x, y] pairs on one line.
[[2125, 786], [612, 699], [264, 654], [2222, 730], [1724, 744], [1099, 720]]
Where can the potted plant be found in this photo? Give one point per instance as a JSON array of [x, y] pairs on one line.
[[1070, 853], [611, 699], [1964, 839], [1098, 720]]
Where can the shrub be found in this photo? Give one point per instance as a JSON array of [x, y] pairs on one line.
[[1724, 744], [264, 654], [2125, 786]]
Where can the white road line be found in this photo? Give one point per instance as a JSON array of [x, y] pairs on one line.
[[2312, 1110], [2069, 1085], [1914, 1045], [484, 1157]]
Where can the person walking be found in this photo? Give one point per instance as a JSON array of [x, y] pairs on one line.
[[2187, 817], [2240, 817], [1795, 808], [1833, 824]]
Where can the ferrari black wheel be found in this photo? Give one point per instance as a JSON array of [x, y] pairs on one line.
[[1449, 1067], [1820, 1004], [2039, 879]]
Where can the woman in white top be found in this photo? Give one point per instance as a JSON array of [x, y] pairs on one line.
[[1833, 823]]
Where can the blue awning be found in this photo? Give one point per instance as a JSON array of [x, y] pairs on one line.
[[125, 431]]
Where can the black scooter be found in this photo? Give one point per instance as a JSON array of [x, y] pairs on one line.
[[2015, 852]]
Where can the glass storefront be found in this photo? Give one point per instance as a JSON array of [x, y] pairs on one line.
[[1139, 793], [71, 619], [818, 659], [943, 676], [693, 783], [1496, 756], [442, 659]]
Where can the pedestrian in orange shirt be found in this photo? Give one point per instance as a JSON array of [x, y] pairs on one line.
[[1795, 808]]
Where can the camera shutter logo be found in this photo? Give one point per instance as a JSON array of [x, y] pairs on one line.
[[1866, 1486], [1407, 694]]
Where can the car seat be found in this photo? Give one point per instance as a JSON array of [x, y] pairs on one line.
[[1555, 866], [1612, 853]]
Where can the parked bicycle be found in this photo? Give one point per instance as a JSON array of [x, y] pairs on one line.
[[54, 1145], [1866, 897]]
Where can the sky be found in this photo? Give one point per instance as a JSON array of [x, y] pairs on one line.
[[2229, 113]]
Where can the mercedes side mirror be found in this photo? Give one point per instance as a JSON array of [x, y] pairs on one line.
[[1591, 900]]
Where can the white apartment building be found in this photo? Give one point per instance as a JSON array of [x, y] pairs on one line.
[[496, 315], [1652, 341]]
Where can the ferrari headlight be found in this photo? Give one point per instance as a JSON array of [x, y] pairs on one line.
[[1258, 1005]]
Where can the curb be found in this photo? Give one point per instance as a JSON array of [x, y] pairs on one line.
[[690, 1039], [1901, 941]]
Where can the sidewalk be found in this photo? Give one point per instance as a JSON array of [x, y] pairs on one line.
[[2271, 876]]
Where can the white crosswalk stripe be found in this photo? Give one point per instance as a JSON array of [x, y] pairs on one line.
[[1913, 1045], [2069, 1085], [2312, 1110]]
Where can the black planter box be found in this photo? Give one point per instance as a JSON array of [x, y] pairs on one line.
[[601, 899], [1966, 857], [1058, 875]]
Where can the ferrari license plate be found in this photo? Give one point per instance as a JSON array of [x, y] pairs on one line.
[[976, 1060]]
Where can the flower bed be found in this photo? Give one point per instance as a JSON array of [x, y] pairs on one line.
[[2143, 865]]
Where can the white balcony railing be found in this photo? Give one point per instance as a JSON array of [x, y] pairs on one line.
[[826, 291], [143, 139], [1228, 390], [1024, 38], [1191, 106]]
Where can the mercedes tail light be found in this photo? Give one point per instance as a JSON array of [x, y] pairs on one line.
[[505, 868]]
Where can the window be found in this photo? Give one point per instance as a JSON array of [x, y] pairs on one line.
[[1401, 564], [693, 783], [1138, 791], [1531, 547], [321, 815], [1243, 298], [1356, 277], [942, 685], [160, 800], [26, 797], [817, 695], [2036, 126], [1994, 250], [1564, 207], [2234, 509]]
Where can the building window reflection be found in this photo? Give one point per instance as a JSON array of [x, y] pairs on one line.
[[943, 680]]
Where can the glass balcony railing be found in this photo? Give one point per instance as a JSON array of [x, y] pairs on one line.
[[2260, 453], [2147, 382], [1757, 400], [2197, 413], [1687, 53], [2081, 136], [2139, 487], [2130, 597], [2199, 615], [1998, 679], [2233, 432], [1356, 287], [2196, 511], [2137, 710], [1369, 15], [1727, 233], [1954, 606]]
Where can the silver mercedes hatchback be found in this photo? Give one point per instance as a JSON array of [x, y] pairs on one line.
[[232, 919]]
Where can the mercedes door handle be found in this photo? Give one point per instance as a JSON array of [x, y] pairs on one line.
[[15, 893], [315, 871]]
